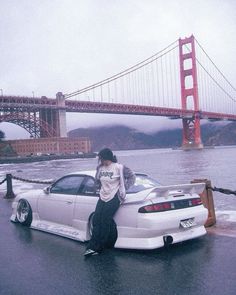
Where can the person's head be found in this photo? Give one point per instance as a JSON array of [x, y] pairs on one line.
[[107, 157]]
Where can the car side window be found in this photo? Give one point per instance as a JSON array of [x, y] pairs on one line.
[[88, 187], [68, 185]]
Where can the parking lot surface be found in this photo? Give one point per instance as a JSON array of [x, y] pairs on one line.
[[34, 262]]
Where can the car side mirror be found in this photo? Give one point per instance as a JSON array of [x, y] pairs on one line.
[[47, 190]]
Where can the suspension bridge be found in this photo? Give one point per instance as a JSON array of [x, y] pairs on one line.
[[180, 82]]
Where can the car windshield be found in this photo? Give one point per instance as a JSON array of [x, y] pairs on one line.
[[142, 182]]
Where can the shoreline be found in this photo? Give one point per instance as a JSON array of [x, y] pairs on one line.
[[30, 159], [13, 160]]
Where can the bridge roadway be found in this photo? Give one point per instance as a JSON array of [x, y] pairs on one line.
[[35, 104], [38, 263]]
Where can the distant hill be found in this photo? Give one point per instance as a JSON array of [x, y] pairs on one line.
[[219, 135], [125, 138]]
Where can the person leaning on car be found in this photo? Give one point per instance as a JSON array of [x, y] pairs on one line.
[[112, 180]]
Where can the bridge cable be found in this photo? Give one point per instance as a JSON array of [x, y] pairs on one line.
[[215, 65], [124, 72], [215, 79], [115, 77], [216, 82]]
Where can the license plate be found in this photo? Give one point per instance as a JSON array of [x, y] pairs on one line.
[[187, 223]]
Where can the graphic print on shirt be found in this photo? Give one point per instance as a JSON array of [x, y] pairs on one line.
[[110, 180], [106, 174]]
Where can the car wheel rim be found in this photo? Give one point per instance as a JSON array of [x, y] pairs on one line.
[[23, 210], [91, 225]]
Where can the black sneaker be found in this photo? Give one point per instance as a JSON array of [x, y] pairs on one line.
[[90, 252]]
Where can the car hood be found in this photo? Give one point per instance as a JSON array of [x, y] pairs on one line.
[[32, 194]]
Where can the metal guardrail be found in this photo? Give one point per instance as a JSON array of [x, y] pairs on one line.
[[10, 194], [31, 180], [222, 190]]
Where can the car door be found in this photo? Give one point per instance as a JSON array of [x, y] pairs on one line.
[[86, 200], [58, 205]]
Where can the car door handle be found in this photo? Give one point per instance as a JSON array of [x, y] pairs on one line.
[[69, 202]]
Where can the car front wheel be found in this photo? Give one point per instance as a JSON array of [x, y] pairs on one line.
[[24, 213]]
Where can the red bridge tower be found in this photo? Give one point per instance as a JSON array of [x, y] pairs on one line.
[[189, 91]]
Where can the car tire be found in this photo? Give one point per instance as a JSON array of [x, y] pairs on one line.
[[113, 234], [90, 225], [24, 213]]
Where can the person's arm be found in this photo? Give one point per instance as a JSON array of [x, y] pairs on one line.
[[97, 179], [129, 177]]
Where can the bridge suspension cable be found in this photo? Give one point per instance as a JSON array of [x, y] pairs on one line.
[[155, 81], [215, 65], [128, 71], [216, 92]]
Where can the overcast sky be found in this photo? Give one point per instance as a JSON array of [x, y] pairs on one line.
[[63, 45]]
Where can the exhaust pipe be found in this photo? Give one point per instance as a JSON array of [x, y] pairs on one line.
[[167, 240]]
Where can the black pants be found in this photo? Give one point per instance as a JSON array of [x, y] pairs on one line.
[[102, 223]]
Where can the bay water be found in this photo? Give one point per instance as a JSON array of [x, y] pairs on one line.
[[166, 165]]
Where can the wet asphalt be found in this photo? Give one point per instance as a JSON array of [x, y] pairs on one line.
[[34, 262]]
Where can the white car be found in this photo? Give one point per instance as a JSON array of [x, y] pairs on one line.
[[151, 216]]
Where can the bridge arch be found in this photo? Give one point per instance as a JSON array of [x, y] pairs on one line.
[[32, 124]]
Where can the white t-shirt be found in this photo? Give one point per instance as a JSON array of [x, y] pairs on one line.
[[110, 180]]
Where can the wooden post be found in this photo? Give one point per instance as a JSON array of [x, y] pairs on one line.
[[10, 194], [208, 202]]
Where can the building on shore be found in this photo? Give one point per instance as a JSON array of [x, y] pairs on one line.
[[45, 146]]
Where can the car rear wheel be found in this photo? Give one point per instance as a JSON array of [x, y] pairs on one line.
[[24, 213], [90, 224]]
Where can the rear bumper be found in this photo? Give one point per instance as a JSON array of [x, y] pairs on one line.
[[170, 220], [152, 227], [158, 242]]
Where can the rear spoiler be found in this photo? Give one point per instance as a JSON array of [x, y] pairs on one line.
[[178, 189], [165, 191]]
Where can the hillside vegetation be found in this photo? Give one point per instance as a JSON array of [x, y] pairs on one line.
[[124, 138]]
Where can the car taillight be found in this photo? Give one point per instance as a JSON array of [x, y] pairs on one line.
[[155, 207], [196, 202], [173, 205]]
